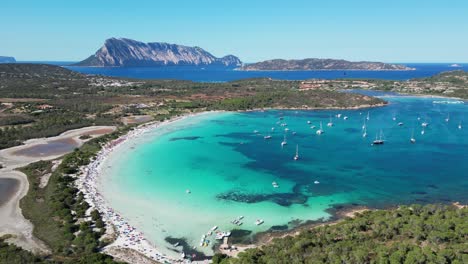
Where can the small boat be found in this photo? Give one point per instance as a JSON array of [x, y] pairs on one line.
[[394, 118], [308, 122], [259, 221], [320, 131], [425, 124], [422, 131], [286, 129], [364, 125], [296, 157], [345, 118], [294, 133], [379, 139], [176, 244], [338, 115], [412, 139], [214, 228], [275, 184], [267, 137], [459, 125], [330, 124], [284, 141], [272, 129], [400, 123], [182, 255], [187, 191], [419, 118], [316, 182], [313, 127], [255, 131]]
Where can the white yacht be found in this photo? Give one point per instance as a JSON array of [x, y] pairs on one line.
[[400, 123], [320, 131], [296, 157], [316, 182]]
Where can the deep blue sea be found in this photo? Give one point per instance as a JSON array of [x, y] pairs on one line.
[[222, 74]]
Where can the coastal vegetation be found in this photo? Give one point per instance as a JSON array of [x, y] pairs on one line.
[[408, 234], [59, 211], [44, 100]]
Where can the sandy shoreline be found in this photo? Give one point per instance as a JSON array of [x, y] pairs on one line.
[[12, 219], [127, 237]]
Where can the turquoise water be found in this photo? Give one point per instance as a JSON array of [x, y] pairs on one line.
[[229, 169]]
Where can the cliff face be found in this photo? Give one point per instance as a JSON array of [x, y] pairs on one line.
[[5, 59], [127, 52], [321, 64]]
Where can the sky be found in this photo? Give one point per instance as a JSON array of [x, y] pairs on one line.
[[253, 30]]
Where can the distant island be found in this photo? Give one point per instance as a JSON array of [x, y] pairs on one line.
[[322, 64], [123, 52], [5, 59]]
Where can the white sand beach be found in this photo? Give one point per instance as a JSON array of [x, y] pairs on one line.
[[128, 238]]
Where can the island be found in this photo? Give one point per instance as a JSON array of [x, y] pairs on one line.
[[123, 52], [6, 59], [315, 64]]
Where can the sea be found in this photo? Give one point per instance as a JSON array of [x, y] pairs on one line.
[[223, 74], [178, 181]]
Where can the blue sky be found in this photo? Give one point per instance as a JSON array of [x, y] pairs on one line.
[[381, 30]]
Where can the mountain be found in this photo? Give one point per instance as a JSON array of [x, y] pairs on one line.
[[124, 52], [322, 64], [4, 59]]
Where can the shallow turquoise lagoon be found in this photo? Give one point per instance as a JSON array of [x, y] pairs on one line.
[[229, 169]]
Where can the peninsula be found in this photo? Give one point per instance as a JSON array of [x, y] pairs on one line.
[[123, 52], [315, 64]]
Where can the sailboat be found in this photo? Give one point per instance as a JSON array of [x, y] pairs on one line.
[[368, 117], [364, 125], [296, 157], [459, 125], [422, 131], [284, 141], [320, 131], [412, 139], [394, 118], [330, 124], [365, 132], [448, 117], [378, 139]]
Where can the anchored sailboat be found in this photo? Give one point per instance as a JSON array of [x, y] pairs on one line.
[[412, 139], [378, 139], [296, 157], [330, 124], [320, 131], [284, 141]]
